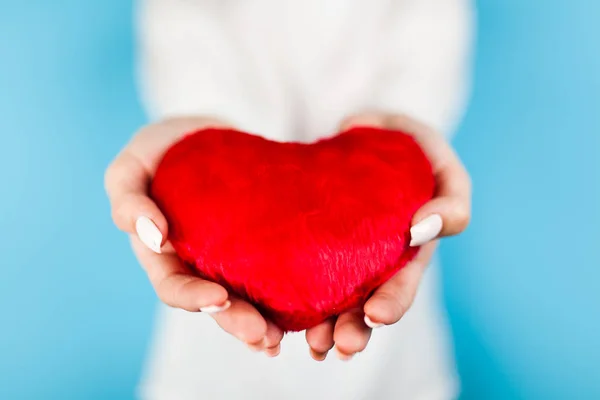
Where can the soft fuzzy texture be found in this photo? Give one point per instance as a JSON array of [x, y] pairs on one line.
[[303, 231]]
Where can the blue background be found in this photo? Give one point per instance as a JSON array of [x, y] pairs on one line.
[[522, 285]]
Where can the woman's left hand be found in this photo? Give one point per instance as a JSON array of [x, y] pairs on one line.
[[447, 214]]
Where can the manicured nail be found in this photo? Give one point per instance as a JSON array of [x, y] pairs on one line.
[[343, 356], [149, 233], [273, 351], [426, 230], [373, 325], [216, 309]]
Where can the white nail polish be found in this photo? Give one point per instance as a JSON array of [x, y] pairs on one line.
[[149, 233], [373, 325], [426, 230], [216, 309]]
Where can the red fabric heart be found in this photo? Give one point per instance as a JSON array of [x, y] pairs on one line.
[[303, 231]]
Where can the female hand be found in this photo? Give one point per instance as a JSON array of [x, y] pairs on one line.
[[126, 181], [448, 213]]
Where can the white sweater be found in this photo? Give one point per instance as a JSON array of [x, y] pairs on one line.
[[292, 70]]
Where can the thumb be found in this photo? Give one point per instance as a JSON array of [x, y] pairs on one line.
[[126, 182]]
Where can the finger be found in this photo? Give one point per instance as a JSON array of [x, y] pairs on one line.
[[449, 213], [273, 351], [126, 182], [245, 323], [450, 173], [351, 335], [435, 146], [128, 177], [273, 340], [176, 286], [320, 339], [393, 299], [442, 216], [371, 119]]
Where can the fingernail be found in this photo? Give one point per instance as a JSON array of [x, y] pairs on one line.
[[273, 351], [343, 356], [426, 230], [259, 346], [373, 325], [216, 309], [318, 356], [149, 233]]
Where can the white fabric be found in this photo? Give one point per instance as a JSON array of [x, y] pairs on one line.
[[292, 70]]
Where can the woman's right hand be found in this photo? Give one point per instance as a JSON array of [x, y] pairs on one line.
[[127, 180]]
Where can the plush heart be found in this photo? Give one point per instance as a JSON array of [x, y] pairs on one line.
[[303, 231]]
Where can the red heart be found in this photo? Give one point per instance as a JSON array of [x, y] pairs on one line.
[[303, 231]]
